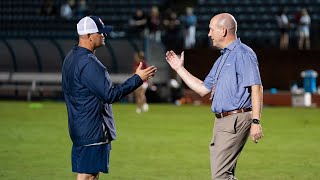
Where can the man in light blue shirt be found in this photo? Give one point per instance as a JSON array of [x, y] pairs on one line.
[[235, 71], [236, 92]]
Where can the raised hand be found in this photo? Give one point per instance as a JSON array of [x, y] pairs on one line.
[[147, 73], [174, 61]]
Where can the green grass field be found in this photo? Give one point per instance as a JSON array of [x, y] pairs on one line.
[[167, 143]]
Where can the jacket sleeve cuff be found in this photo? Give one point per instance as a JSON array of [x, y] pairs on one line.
[[137, 79]]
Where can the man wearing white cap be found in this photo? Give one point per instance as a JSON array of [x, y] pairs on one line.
[[89, 93]]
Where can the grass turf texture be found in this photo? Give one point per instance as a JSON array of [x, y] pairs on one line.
[[167, 143]]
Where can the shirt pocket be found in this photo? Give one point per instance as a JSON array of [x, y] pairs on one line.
[[227, 72]]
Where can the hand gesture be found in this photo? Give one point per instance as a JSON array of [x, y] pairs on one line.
[[174, 61], [256, 132], [147, 73]]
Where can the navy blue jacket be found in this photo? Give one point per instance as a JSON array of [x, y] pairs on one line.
[[89, 93]]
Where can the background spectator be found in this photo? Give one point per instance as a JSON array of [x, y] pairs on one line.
[[284, 25], [154, 22], [66, 9], [140, 93], [48, 9], [304, 30], [82, 9], [172, 37], [138, 23], [189, 22]]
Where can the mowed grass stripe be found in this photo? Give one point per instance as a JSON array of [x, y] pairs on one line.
[[167, 143]]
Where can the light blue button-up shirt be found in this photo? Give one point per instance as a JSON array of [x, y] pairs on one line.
[[231, 77]]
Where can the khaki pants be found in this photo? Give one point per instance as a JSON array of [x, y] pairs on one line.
[[229, 137]]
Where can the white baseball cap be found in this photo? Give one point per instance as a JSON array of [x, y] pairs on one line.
[[92, 24]]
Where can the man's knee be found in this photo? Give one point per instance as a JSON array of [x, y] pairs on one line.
[[87, 176]]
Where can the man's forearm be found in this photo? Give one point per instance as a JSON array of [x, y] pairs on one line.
[[257, 101], [192, 82]]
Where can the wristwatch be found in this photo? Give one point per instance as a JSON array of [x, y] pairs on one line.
[[255, 121]]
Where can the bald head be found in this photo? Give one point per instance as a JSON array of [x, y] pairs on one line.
[[223, 28], [227, 21]]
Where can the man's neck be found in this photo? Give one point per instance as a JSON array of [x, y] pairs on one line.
[[86, 45], [229, 41]]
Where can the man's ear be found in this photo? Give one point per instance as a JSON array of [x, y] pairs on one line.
[[224, 32]]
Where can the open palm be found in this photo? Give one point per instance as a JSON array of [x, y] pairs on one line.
[[174, 61]]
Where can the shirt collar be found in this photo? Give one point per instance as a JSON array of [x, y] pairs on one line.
[[231, 46], [77, 47]]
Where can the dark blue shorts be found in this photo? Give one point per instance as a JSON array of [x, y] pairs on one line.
[[90, 159]]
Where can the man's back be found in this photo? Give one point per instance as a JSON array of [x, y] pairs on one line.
[[84, 107]]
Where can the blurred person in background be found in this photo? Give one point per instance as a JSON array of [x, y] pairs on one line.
[[172, 35], [138, 24], [140, 93], [82, 9], [66, 9], [48, 8], [284, 25], [189, 22], [236, 93], [304, 30], [89, 94], [154, 23]]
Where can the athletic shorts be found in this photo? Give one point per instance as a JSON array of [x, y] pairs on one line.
[[90, 159]]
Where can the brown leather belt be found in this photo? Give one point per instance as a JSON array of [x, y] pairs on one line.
[[224, 114]]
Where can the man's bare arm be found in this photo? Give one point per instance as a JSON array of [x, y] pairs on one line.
[[191, 81]]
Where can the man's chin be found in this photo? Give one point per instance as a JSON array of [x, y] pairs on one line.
[[213, 45], [102, 44]]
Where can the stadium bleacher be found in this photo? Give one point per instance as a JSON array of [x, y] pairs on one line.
[[31, 42], [256, 18]]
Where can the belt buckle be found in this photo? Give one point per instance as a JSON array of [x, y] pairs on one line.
[[220, 115]]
